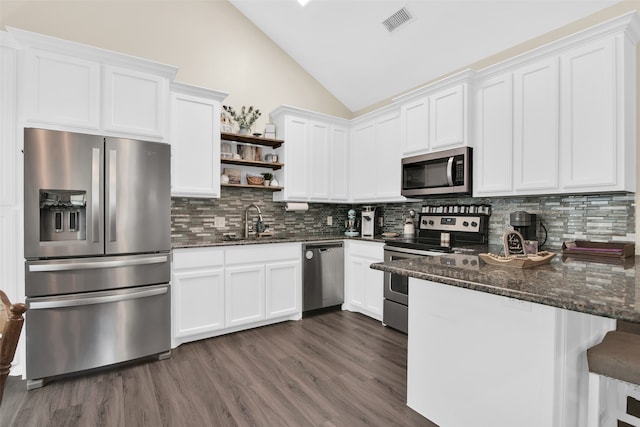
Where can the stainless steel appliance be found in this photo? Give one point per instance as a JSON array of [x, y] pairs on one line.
[[322, 275], [443, 173], [438, 234], [97, 242]]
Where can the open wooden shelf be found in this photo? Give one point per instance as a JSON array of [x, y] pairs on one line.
[[250, 139], [252, 186], [260, 164]]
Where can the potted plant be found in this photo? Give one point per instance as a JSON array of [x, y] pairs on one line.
[[245, 118], [268, 176]]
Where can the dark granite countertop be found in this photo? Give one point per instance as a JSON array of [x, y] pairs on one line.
[[209, 242], [603, 289]]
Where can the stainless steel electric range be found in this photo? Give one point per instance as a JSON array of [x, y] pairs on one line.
[[438, 234]]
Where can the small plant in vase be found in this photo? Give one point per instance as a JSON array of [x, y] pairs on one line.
[[245, 118], [267, 178]]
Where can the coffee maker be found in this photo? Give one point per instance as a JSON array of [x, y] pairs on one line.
[[525, 224], [368, 222]]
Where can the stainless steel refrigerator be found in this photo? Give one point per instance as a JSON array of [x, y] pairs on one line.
[[97, 251]]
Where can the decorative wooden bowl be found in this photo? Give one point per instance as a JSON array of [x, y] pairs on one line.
[[520, 261], [255, 180]]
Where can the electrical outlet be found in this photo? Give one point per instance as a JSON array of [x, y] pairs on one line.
[[329, 220], [219, 222]]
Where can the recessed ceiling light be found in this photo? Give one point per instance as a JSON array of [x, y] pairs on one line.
[[303, 2]]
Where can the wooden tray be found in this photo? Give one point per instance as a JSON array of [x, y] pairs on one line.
[[584, 248], [522, 261]]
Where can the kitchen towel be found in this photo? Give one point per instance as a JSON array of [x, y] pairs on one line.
[[289, 207]]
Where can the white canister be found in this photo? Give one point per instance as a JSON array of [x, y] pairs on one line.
[[409, 229]]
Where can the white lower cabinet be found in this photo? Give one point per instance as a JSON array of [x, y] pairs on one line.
[[512, 362], [364, 287], [218, 290], [244, 286]]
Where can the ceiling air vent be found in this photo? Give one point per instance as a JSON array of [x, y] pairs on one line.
[[398, 19]]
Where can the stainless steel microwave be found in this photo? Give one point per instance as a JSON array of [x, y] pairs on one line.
[[442, 173]]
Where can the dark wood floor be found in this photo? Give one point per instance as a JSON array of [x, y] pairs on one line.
[[333, 369]]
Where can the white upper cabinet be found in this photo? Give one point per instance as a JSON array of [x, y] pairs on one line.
[[436, 117], [414, 126], [62, 90], [135, 102], [448, 118], [571, 113], [74, 87], [194, 136], [339, 164], [319, 161], [376, 159], [597, 138], [493, 155], [315, 156], [535, 125]]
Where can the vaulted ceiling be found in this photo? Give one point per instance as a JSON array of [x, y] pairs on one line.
[[346, 47]]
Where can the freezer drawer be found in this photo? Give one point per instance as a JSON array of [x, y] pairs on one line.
[[76, 332], [76, 275]]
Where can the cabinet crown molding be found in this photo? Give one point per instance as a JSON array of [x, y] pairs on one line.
[[465, 76], [187, 89], [313, 115], [28, 39]]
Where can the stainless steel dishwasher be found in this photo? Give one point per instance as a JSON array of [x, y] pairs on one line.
[[322, 275]]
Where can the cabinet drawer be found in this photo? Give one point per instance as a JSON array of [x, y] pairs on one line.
[[197, 258], [262, 253], [366, 249]]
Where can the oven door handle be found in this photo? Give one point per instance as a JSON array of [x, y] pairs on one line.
[[97, 264], [406, 251], [450, 171], [75, 302]]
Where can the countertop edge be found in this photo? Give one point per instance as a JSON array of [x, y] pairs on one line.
[[602, 310]]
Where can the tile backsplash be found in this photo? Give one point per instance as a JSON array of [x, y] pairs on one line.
[[603, 217]]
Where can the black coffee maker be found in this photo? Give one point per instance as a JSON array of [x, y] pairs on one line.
[[525, 224]]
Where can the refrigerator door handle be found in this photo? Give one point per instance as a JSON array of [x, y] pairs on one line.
[[113, 193], [108, 298], [95, 193], [97, 264]]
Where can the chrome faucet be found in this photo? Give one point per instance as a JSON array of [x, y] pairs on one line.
[[246, 218]]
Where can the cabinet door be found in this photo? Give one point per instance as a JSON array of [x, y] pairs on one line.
[[198, 300], [414, 131], [363, 162], [318, 161], [283, 287], [494, 153], [387, 169], [195, 146], [447, 118], [357, 268], [339, 164], [244, 294], [10, 155], [366, 287], [135, 102], [297, 139], [589, 138], [536, 126], [62, 90]]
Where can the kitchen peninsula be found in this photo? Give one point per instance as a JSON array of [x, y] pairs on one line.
[[507, 344]]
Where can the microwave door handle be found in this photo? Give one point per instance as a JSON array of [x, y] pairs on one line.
[[450, 171]]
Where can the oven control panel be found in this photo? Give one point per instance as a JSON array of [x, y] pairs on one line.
[[450, 223]]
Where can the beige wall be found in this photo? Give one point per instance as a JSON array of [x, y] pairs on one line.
[[211, 43]]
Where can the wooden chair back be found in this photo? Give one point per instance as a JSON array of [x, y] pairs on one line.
[[11, 320]]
